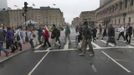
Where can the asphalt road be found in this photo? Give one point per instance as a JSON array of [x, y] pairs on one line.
[[108, 60]]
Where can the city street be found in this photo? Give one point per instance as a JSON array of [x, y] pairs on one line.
[[108, 60]]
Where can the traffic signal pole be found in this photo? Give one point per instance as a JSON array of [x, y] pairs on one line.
[[25, 11]]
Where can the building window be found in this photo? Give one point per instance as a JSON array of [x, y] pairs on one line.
[[119, 21], [132, 2], [120, 5], [129, 19], [124, 20], [126, 2]]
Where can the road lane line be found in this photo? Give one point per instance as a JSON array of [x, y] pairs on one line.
[[93, 67], [38, 46], [30, 73], [108, 44], [66, 45], [96, 46], [116, 62]]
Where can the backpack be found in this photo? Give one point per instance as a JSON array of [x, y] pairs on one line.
[[18, 37], [87, 33]]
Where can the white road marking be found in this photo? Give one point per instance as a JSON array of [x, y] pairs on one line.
[[109, 43], [30, 73], [132, 43], [96, 46], [38, 46], [129, 46], [66, 46], [94, 68], [61, 50], [116, 62]]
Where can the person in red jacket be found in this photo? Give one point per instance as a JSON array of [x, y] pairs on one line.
[[46, 37]]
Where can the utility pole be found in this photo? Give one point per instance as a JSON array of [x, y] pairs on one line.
[[25, 11]]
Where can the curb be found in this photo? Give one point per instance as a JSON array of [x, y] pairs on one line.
[[11, 56]]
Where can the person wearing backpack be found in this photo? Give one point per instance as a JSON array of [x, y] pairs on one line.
[[54, 35], [111, 35], [58, 38], [86, 41]]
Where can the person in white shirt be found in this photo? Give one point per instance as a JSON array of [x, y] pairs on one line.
[[19, 39], [24, 35], [31, 36], [121, 32]]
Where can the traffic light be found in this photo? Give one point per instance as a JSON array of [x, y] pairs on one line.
[[25, 6]]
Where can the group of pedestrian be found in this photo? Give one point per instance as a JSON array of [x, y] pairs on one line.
[[14, 38], [125, 32], [88, 34], [54, 35]]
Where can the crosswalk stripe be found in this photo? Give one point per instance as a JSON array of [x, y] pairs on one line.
[[96, 46], [38, 46], [66, 46], [109, 43], [62, 50]]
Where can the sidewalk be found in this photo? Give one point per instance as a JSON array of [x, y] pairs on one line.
[[4, 58]]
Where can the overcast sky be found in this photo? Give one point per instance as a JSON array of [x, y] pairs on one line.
[[70, 8]]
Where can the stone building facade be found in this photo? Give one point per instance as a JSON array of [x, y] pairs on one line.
[[116, 12], [76, 21], [103, 2], [43, 16], [88, 16]]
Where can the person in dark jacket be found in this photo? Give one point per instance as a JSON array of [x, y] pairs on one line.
[[9, 37], [54, 35], [87, 38], [2, 39], [67, 34], [129, 32], [104, 32], [111, 35], [58, 37], [94, 30], [39, 35]]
